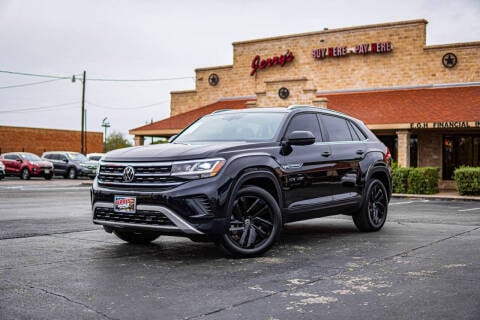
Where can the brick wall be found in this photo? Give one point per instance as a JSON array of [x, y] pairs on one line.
[[410, 63], [37, 141]]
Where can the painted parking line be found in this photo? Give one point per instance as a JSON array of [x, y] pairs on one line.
[[409, 202], [471, 209]]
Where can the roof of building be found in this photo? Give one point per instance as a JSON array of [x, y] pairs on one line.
[[178, 122], [410, 105]]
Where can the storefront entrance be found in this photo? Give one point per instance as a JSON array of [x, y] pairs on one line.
[[460, 150]]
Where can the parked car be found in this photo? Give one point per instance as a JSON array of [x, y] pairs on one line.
[[95, 156], [26, 165], [236, 177], [71, 164], [2, 170]]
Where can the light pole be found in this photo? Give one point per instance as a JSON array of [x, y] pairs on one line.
[[106, 125]]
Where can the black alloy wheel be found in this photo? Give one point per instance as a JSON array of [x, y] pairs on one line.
[[373, 214], [25, 174], [254, 222], [136, 237]]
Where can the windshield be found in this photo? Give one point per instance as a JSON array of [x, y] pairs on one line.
[[76, 156], [30, 157], [254, 126]]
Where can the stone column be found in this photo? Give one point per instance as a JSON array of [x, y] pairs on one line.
[[403, 137], [139, 140]]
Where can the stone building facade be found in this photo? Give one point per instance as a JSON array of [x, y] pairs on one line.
[[422, 101]]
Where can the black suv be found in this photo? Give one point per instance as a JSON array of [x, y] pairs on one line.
[[237, 176]]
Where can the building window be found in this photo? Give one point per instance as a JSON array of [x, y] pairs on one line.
[[413, 150], [460, 150], [391, 141]]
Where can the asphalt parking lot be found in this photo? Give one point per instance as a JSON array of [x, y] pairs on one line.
[[55, 264]]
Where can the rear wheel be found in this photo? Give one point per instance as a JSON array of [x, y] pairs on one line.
[[254, 222], [25, 174], [136, 237], [373, 213]]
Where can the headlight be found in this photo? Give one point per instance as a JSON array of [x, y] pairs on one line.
[[197, 169]]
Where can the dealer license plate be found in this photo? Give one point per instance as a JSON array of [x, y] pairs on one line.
[[124, 204], [47, 171]]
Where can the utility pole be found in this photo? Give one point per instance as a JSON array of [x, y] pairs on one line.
[[106, 125], [83, 134]]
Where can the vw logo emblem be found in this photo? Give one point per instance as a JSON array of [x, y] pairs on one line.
[[128, 174]]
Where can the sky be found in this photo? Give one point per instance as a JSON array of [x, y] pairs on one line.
[[164, 42]]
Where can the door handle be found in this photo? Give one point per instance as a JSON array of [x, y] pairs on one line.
[[326, 154]]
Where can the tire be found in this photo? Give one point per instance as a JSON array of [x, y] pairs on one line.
[[25, 174], [373, 213], [136, 237], [254, 223], [72, 173]]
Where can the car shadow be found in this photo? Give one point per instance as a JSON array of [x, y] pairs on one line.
[[182, 249]]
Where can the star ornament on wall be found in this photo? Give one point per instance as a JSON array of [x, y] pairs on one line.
[[449, 60]]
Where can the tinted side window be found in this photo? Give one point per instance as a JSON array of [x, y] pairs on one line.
[[337, 128], [11, 156], [357, 134], [305, 122]]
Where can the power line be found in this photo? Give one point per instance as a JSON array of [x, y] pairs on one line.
[[96, 79], [139, 80], [29, 84], [28, 109], [35, 75], [127, 108]]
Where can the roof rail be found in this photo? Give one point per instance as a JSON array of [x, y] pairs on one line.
[[299, 106], [221, 110]]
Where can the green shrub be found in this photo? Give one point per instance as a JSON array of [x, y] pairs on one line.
[[467, 180], [423, 180], [400, 179], [415, 180]]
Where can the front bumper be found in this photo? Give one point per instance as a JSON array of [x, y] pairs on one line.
[[87, 172], [195, 208]]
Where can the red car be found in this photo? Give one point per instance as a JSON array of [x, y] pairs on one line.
[[26, 165]]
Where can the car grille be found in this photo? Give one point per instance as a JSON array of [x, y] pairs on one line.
[[143, 217], [145, 175]]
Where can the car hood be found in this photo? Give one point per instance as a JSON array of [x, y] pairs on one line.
[[176, 151]]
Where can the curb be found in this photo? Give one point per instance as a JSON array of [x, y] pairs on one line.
[[438, 196]]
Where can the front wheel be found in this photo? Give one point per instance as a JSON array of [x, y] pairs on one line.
[[72, 173], [373, 213], [136, 237], [25, 174], [254, 222]]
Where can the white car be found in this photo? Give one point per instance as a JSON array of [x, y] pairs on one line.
[[95, 156], [2, 170]]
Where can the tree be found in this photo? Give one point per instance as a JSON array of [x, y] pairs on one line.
[[116, 140]]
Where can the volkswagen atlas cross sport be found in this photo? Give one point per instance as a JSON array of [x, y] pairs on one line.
[[236, 177]]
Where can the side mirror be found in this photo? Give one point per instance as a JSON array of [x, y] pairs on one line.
[[300, 138], [19, 160], [65, 160]]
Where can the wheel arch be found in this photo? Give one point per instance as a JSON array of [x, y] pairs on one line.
[[380, 172], [262, 177]]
